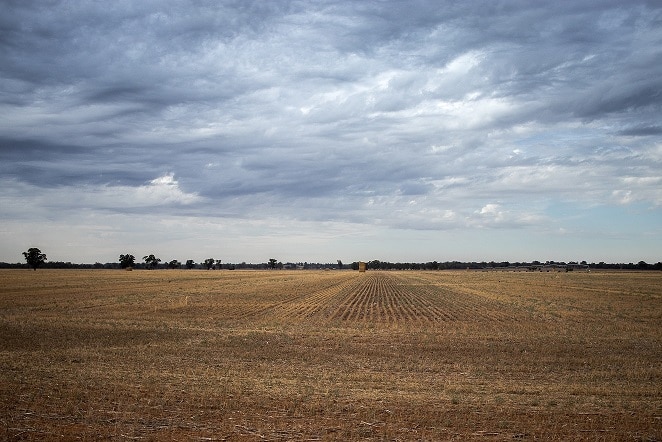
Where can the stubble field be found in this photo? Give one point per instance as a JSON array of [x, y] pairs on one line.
[[336, 355]]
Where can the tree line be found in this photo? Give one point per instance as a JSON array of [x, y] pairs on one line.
[[34, 258], [503, 265]]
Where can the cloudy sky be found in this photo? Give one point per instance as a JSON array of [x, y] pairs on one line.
[[321, 130]]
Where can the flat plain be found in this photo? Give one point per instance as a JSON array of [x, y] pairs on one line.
[[330, 355]]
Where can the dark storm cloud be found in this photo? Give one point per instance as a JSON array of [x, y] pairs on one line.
[[24, 150], [642, 131], [35, 162], [49, 164]]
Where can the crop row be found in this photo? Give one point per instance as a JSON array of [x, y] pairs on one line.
[[384, 298]]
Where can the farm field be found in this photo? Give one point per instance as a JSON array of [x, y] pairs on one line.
[[330, 355]]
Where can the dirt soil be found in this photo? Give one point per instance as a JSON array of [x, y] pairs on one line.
[[330, 355]]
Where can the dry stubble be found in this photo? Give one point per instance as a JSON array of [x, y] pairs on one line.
[[246, 355]]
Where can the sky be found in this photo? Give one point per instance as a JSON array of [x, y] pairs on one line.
[[404, 131]]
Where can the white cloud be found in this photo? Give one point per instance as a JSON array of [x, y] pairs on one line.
[[623, 196], [638, 189], [490, 214], [491, 209], [162, 190]]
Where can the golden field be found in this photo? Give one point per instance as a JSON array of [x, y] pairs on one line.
[[337, 355]]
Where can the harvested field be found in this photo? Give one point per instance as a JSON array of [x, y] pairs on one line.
[[336, 355]]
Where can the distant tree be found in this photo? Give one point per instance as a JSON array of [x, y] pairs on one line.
[[127, 260], [272, 263], [209, 263], [190, 264], [374, 264], [642, 265], [218, 264], [34, 257], [151, 261], [174, 264], [339, 264]]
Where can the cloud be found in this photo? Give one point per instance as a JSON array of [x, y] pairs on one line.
[[641, 131], [494, 215], [161, 193], [394, 115], [163, 190]]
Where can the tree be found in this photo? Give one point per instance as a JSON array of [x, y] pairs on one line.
[[374, 264], [151, 261], [339, 265], [272, 263], [127, 260], [174, 264], [209, 263], [190, 264], [218, 264], [34, 257]]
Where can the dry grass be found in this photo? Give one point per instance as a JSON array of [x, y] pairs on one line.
[[253, 356]]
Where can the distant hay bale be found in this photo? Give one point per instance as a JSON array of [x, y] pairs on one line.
[[362, 266], [128, 269]]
